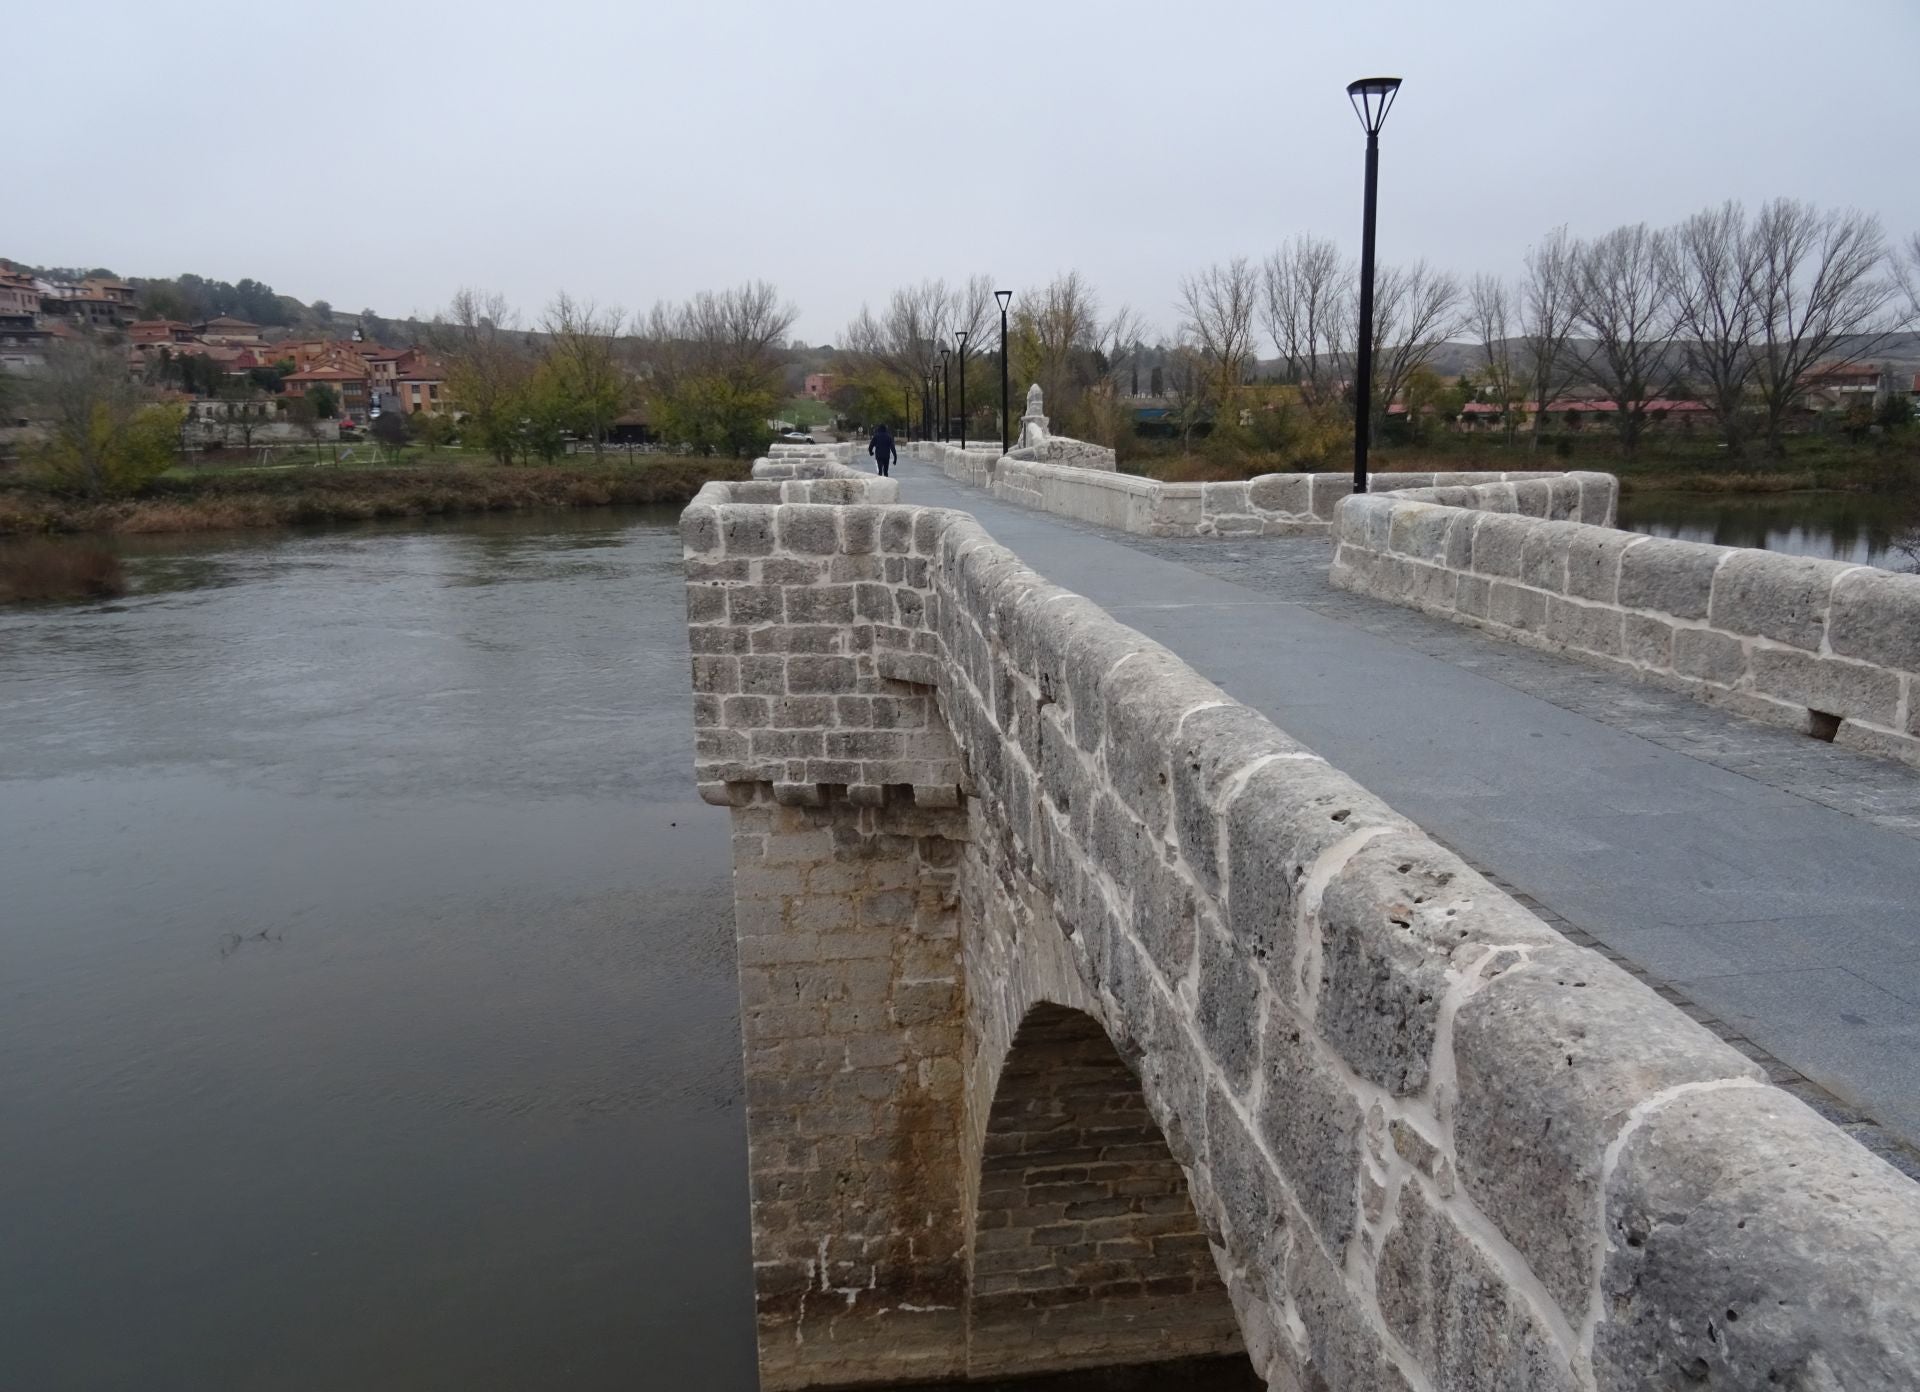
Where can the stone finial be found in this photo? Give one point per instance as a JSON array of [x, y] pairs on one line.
[[1034, 401], [1033, 425]]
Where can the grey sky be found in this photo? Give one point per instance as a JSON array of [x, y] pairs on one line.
[[385, 154]]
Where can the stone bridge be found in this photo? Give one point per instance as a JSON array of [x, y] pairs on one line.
[[1090, 1020]]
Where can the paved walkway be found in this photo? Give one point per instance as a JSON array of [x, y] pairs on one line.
[[1768, 883]]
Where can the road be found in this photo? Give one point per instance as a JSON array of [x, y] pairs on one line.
[[1767, 883]]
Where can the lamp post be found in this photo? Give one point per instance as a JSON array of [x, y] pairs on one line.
[[1006, 440], [926, 407], [960, 337], [1372, 98], [945, 387]]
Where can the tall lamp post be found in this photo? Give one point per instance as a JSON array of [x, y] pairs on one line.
[[1372, 98], [926, 407], [945, 390], [1006, 440], [960, 337]]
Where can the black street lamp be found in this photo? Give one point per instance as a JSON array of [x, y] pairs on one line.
[[1372, 98], [1006, 439], [926, 407], [946, 385], [960, 337]]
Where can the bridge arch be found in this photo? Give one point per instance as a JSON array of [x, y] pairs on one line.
[[1087, 1250]]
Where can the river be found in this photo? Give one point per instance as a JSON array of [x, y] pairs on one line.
[[367, 1013], [1857, 527]]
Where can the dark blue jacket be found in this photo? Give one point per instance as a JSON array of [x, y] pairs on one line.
[[881, 446]]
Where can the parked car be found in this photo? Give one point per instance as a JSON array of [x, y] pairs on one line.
[[795, 437]]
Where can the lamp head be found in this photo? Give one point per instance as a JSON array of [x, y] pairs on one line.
[[960, 337], [1372, 98], [1005, 297]]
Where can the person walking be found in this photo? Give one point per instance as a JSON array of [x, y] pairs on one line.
[[882, 450]]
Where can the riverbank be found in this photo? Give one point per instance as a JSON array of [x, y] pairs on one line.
[[255, 498]]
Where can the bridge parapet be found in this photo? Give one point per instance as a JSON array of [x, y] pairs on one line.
[[1823, 647], [1425, 1140]]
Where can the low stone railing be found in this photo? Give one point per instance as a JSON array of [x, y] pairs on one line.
[[1434, 1144], [1267, 505], [1823, 647]]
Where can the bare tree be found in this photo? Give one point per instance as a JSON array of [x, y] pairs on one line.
[[584, 353], [905, 339], [1190, 383], [712, 364], [1714, 281], [1490, 312], [1821, 299], [1307, 307], [1217, 308], [1415, 308], [1547, 308], [1623, 302], [487, 364], [1906, 267], [1061, 341]]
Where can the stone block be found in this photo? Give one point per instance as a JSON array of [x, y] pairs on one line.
[[1543, 555], [1563, 499], [1766, 595], [1709, 655], [1647, 641], [1242, 1183], [1420, 530], [1854, 690], [700, 528], [1498, 543], [859, 529], [747, 531], [1327, 491], [1516, 606], [1393, 922], [817, 675], [1552, 1055], [1345, 1347], [1876, 617], [1473, 596], [1669, 577], [1228, 1016], [1593, 628], [1145, 698], [1752, 1244], [1214, 746], [1593, 563], [1290, 495], [1459, 1313], [1311, 1124], [749, 605], [1286, 816], [1165, 915], [1458, 552], [1229, 499]]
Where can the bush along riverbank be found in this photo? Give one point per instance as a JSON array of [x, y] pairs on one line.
[[35, 571], [279, 498]]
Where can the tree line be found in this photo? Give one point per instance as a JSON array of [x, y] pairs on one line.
[[1732, 309], [707, 370]]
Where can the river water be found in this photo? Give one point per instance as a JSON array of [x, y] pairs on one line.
[[367, 1013], [1857, 527]]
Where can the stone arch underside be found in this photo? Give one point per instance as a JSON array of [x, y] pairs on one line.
[[1087, 1250]]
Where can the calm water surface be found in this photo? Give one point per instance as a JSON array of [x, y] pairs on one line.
[[367, 1016], [1857, 527]]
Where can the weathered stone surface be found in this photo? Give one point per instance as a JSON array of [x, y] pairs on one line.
[[1711, 656], [1669, 577], [1552, 1056], [1345, 1349], [1772, 596], [1497, 546], [1876, 618], [1392, 923], [1229, 1009], [1851, 689], [1282, 493], [1216, 746], [1593, 563], [1288, 814], [1750, 1244], [1455, 1310], [1311, 1124]]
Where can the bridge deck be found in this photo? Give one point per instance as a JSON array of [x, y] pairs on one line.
[[1770, 882]]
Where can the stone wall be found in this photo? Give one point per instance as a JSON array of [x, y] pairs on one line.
[[1431, 1144], [1268, 505], [1819, 646]]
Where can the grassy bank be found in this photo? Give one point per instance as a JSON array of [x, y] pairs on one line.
[[208, 500], [1692, 464]]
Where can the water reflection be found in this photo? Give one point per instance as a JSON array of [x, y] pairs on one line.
[[1854, 527], [366, 993]]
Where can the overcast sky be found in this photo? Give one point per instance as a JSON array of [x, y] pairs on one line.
[[385, 154]]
